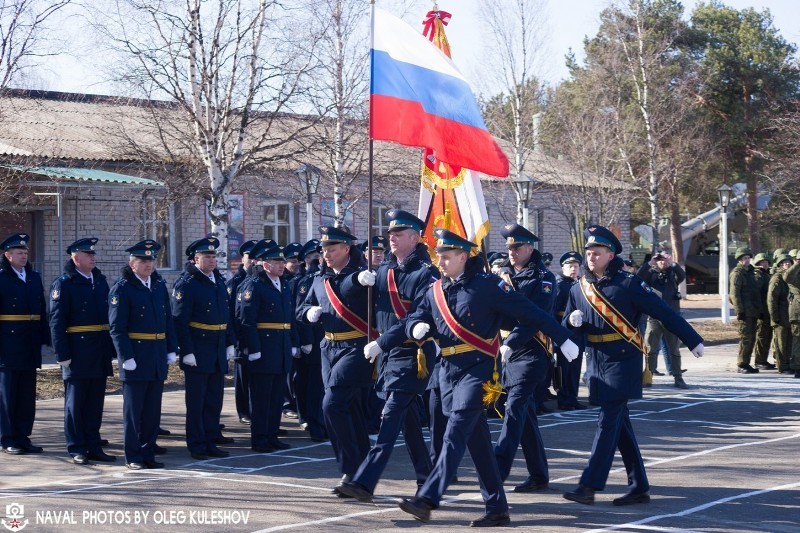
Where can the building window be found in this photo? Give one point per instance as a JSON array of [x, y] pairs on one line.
[[280, 222], [159, 225], [379, 225]]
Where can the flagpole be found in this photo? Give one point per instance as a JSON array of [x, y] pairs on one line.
[[369, 187]]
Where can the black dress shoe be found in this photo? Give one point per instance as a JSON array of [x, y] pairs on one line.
[[419, 508], [765, 366], [14, 450], [566, 408], [747, 370], [491, 520], [630, 498], [101, 456], [354, 490], [288, 413], [164, 432], [80, 459], [335, 490], [30, 448], [136, 466], [657, 373], [580, 407], [549, 395], [152, 463], [581, 494], [321, 438], [530, 485], [223, 440], [104, 442], [282, 432], [797, 373], [245, 420], [262, 449], [216, 452], [199, 456], [279, 445]]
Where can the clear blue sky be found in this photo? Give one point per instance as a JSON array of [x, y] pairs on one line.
[[570, 22]]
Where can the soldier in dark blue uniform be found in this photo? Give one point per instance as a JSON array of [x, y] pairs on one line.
[[338, 298], [240, 390], [308, 380], [83, 347], [469, 305], [205, 337], [144, 336], [403, 376], [292, 274], [379, 245], [23, 318], [606, 295], [265, 312], [526, 357], [567, 394]]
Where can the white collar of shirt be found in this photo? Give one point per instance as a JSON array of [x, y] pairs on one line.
[[90, 277], [145, 282], [276, 282], [22, 274]]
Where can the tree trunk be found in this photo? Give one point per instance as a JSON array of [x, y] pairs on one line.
[[218, 211], [675, 229], [752, 213]]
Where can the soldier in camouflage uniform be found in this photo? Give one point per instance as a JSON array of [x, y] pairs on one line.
[[763, 324], [745, 294], [792, 277], [778, 304]]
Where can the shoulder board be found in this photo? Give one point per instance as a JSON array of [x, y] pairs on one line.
[[629, 275], [64, 277], [483, 275]]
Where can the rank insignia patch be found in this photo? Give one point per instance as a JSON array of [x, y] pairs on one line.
[[248, 295], [547, 287], [178, 295], [114, 300], [55, 294]]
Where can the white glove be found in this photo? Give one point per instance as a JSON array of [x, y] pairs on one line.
[[254, 356], [189, 359], [698, 350], [372, 351], [419, 330], [306, 348], [295, 353], [230, 353], [65, 364], [505, 353], [366, 278], [172, 358], [314, 313], [129, 365], [569, 349], [576, 318]]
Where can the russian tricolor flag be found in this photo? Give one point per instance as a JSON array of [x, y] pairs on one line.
[[419, 98]]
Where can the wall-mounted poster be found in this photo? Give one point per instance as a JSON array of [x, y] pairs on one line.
[[235, 228], [327, 208]]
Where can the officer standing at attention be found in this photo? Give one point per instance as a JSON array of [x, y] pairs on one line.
[[144, 336], [265, 312], [606, 304], [292, 274], [745, 294], [778, 305], [567, 394], [464, 311], [338, 298], [241, 394], [24, 312], [403, 376], [526, 356], [83, 347], [763, 324], [205, 336]]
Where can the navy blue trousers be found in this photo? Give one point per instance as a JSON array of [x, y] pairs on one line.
[[437, 422], [17, 407], [241, 389], [521, 425], [289, 393], [141, 412], [399, 412], [570, 380], [344, 419], [266, 399], [614, 431], [309, 390], [467, 428], [83, 414], [373, 407], [203, 396]]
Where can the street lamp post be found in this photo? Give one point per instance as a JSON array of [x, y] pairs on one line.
[[309, 176], [724, 192], [523, 188]]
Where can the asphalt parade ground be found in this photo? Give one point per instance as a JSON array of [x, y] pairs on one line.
[[721, 456]]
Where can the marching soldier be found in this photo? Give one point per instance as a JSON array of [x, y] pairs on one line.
[[144, 336], [379, 244], [745, 296], [763, 324], [401, 284], [606, 305], [240, 388], [778, 304], [526, 357], [205, 336], [567, 394], [265, 312], [292, 274], [24, 312], [338, 298], [83, 347], [792, 277], [294, 267], [464, 311]]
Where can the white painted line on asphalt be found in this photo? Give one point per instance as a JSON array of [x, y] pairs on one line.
[[703, 507]]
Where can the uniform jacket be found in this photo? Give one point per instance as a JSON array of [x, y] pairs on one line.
[[21, 340], [343, 362], [536, 283], [398, 363], [258, 301], [196, 302], [665, 282], [563, 285], [778, 299], [308, 333], [76, 301], [617, 364], [792, 277], [745, 292], [233, 286], [480, 302], [763, 276], [132, 308]]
